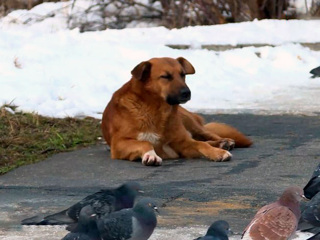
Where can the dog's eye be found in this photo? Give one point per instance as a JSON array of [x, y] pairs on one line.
[[166, 76]]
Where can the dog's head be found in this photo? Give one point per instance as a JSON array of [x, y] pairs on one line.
[[166, 78]]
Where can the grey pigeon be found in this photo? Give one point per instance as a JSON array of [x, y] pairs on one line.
[[315, 72], [278, 220], [310, 215], [218, 230], [313, 186], [136, 223], [86, 228], [103, 202]]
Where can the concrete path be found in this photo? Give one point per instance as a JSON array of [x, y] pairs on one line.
[[189, 192]]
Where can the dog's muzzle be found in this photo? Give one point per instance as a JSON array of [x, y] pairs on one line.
[[183, 97]]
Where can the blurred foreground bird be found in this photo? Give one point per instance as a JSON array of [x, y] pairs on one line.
[[278, 220], [310, 215], [315, 72], [310, 211], [103, 202], [313, 186], [315, 237], [86, 229], [136, 223], [218, 230]]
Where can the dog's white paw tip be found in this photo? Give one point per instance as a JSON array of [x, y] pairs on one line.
[[227, 156], [151, 158]]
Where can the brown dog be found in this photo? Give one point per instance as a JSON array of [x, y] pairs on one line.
[[144, 121]]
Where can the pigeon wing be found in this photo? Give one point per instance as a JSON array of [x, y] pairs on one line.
[[277, 223], [311, 212], [117, 225], [260, 212], [102, 202]]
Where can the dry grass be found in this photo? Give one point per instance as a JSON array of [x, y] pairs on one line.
[[27, 137]]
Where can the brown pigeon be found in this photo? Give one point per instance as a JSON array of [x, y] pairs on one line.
[[277, 220]]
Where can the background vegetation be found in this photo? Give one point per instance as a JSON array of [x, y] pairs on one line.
[[172, 13], [27, 137]]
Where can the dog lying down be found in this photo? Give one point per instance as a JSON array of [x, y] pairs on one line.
[[144, 120]]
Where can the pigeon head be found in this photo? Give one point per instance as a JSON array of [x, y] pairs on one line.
[[133, 187], [145, 211], [312, 188], [87, 223], [219, 228], [86, 217], [291, 198], [127, 193], [292, 195]]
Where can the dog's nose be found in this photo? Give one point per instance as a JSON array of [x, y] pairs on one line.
[[185, 94]]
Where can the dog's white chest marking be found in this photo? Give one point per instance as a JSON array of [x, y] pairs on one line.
[[151, 137]]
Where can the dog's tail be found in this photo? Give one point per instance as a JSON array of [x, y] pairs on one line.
[[226, 131]]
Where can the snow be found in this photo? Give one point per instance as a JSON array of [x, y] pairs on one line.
[[48, 69]]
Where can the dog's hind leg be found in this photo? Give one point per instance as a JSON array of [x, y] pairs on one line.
[[134, 149], [227, 131], [194, 125], [191, 148]]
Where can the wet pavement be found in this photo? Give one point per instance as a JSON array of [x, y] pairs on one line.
[[189, 192]]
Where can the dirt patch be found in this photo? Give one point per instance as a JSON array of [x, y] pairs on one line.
[[185, 212]]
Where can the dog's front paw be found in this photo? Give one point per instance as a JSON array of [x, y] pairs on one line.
[[151, 159], [220, 155], [226, 143], [226, 156]]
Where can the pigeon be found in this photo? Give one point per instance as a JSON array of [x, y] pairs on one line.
[[310, 215], [103, 202], [136, 223], [309, 210], [217, 231], [277, 220], [86, 228], [313, 186], [315, 72]]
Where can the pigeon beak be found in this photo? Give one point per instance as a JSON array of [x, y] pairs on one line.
[[304, 198], [93, 215], [140, 191], [156, 209], [230, 232]]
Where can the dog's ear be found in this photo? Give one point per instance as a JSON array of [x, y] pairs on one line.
[[142, 71], [187, 66]]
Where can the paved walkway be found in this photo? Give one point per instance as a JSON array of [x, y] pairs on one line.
[[189, 192]]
